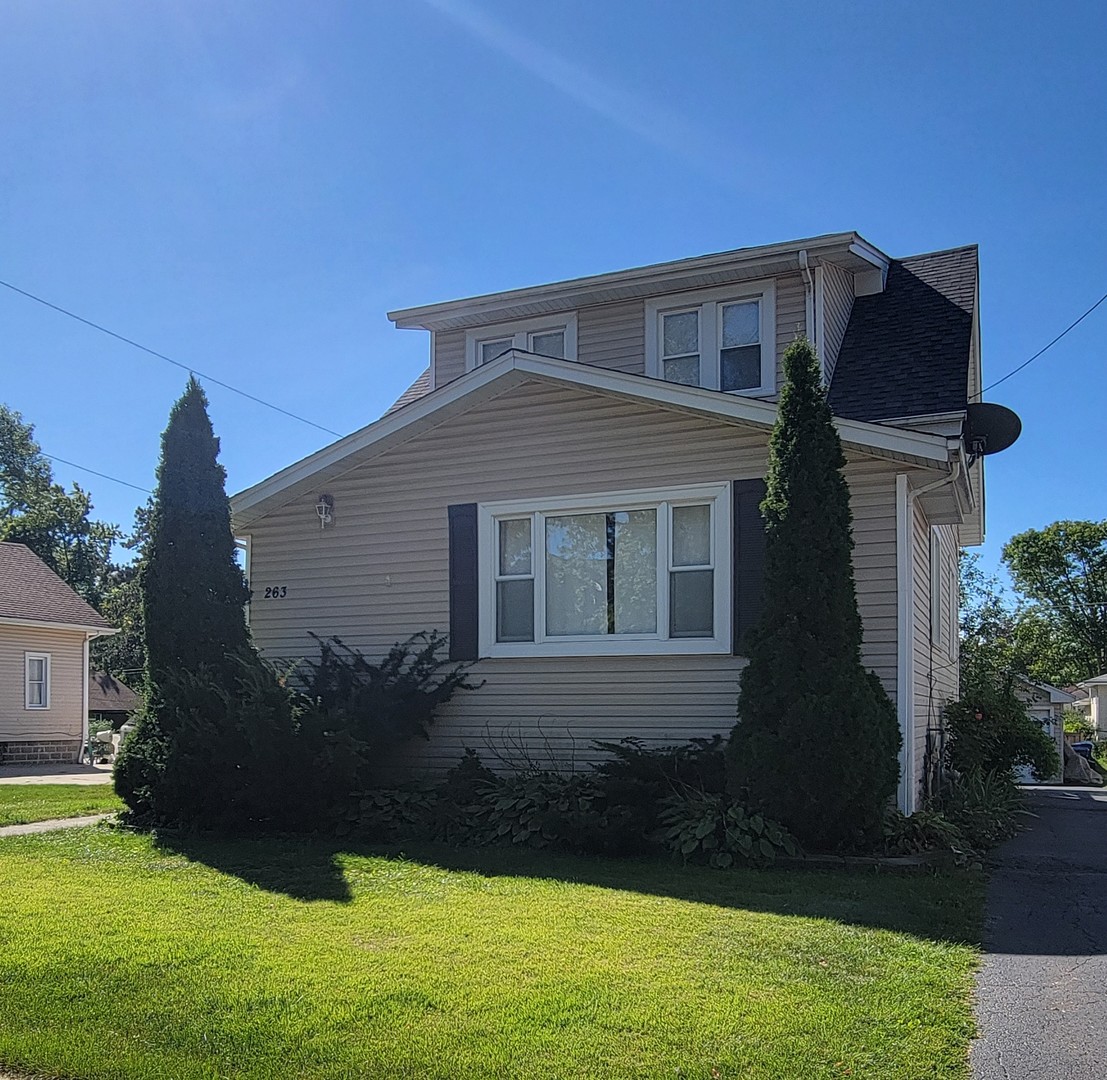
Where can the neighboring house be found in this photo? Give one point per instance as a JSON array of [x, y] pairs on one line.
[[1094, 704], [110, 702], [45, 629], [572, 489], [1045, 704]]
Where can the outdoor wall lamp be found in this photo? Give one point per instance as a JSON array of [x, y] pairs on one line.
[[325, 509]]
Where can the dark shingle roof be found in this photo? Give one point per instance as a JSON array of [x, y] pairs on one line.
[[906, 349], [106, 694], [31, 591], [414, 392]]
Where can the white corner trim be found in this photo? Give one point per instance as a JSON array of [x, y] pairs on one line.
[[905, 645]]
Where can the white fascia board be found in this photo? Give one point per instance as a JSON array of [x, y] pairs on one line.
[[492, 379], [872, 255], [564, 295], [77, 628]]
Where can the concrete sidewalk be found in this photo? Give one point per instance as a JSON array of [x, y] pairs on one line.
[[1042, 989], [50, 826], [55, 774]]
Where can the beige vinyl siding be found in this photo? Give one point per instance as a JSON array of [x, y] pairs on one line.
[[63, 719], [791, 317], [613, 336], [380, 573], [935, 662], [837, 305], [449, 356]]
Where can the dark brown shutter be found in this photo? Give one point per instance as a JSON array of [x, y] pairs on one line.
[[749, 557], [464, 592]]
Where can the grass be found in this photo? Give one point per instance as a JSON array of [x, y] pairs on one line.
[[24, 803], [122, 959]]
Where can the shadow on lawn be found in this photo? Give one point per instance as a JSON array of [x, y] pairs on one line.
[[944, 908]]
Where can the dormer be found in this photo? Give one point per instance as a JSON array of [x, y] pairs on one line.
[[718, 321]]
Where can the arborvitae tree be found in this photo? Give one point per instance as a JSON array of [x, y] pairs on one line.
[[193, 591], [817, 740], [213, 746]]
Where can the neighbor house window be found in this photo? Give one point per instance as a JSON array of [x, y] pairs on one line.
[[37, 680], [722, 339], [554, 336], [639, 572]]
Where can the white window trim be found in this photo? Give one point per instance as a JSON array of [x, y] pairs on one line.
[[47, 665], [614, 644], [708, 301], [520, 332]]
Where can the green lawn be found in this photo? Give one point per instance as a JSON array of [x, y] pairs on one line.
[[23, 803], [297, 959]]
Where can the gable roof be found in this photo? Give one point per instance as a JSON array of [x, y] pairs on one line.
[[31, 593], [906, 350], [106, 694], [514, 368]]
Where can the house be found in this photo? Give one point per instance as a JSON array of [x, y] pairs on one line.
[[571, 491], [110, 702], [1045, 705], [1093, 703], [45, 630]]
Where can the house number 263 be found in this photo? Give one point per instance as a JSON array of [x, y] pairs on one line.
[[275, 592]]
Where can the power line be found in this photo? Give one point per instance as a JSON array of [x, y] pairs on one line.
[[167, 359], [105, 476], [1026, 363]]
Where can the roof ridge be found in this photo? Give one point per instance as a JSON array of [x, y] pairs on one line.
[[940, 251]]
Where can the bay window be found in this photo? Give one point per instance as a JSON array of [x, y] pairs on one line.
[[644, 572], [721, 339]]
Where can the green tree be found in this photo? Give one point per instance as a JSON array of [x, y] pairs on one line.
[[54, 523], [213, 746], [124, 654], [817, 739], [1062, 570], [1005, 634]]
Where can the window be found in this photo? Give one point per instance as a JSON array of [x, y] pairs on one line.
[[722, 339], [944, 598], [644, 572], [554, 335], [37, 680]]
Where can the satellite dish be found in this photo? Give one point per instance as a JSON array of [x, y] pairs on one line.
[[990, 428]]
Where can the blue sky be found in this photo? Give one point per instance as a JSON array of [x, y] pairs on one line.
[[249, 188]]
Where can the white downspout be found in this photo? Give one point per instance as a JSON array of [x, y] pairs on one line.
[[809, 300], [905, 626], [84, 697]]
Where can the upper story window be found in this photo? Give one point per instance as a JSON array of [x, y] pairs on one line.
[[555, 335], [721, 339], [37, 680], [625, 573]]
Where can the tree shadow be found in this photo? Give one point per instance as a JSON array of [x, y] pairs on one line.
[[302, 867], [311, 868]]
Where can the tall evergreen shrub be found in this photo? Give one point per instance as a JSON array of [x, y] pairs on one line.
[[817, 739], [214, 744]]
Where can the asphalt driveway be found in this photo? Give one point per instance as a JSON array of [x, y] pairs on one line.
[[1042, 991]]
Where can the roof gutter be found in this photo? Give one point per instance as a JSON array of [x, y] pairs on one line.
[[640, 281]]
